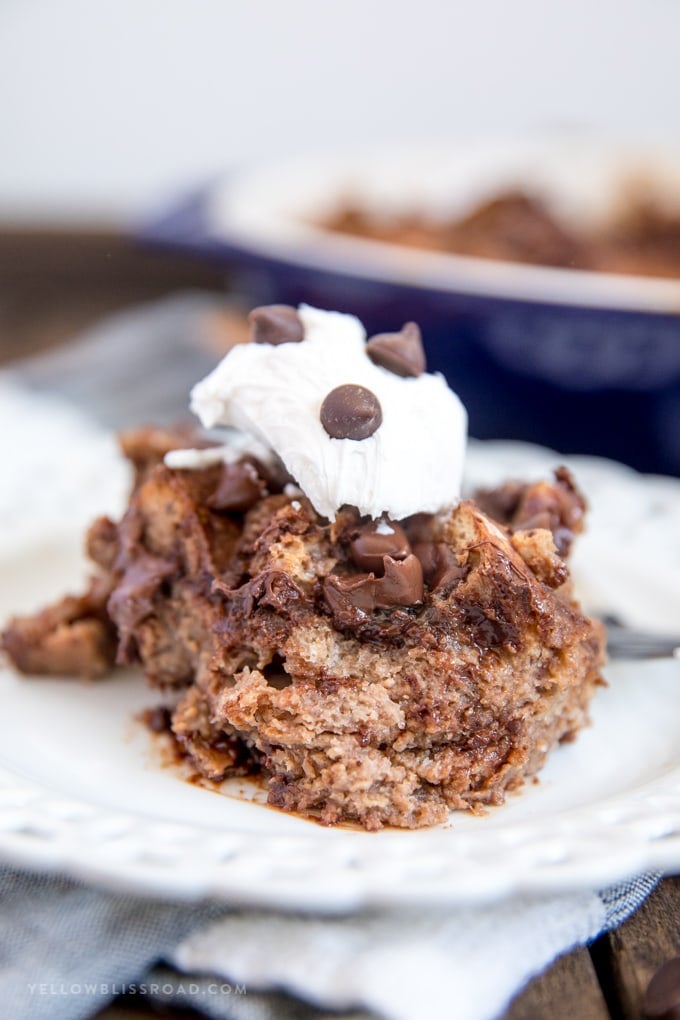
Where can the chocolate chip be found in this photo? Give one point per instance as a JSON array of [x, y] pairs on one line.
[[400, 585], [276, 324], [428, 554], [239, 488], [488, 631], [350, 412], [357, 592], [375, 540], [662, 998], [419, 527], [401, 353], [439, 563]]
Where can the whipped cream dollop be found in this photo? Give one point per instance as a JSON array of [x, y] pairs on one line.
[[413, 460]]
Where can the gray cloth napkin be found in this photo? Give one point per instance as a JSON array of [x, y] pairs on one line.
[[135, 367], [67, 949]]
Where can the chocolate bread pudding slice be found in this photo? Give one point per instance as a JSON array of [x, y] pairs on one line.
[[380, 659]]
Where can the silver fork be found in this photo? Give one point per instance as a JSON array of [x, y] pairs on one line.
[[625, 643]]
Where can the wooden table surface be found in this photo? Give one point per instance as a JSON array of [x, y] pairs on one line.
[[54, 283]]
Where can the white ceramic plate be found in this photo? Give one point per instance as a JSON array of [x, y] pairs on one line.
[[82, 791]]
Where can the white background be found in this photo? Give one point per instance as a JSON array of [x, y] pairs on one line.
[[107, 107]]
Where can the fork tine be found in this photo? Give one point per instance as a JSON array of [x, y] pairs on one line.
[[625, 643]]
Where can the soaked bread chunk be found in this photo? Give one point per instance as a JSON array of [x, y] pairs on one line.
[[374, 672]]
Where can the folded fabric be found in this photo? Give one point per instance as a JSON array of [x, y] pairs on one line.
[[67, 950]]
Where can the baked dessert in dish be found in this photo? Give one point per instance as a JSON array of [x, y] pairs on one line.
[[314, 602], [642, 239]]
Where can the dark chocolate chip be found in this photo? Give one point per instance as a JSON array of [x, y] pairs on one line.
[[402, 584], [357, 592], [440, 565], [239, 488], [488, 631], [276, 324], [419, 527], [369, 545], [350, 412], [273, 473], [662, 998], [401, 353]]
